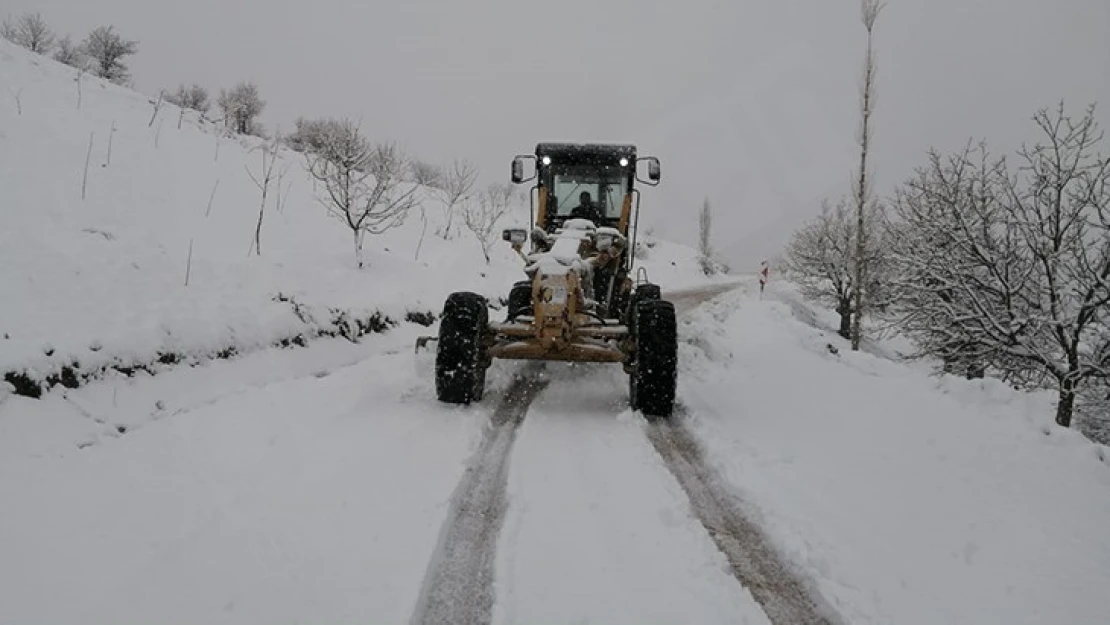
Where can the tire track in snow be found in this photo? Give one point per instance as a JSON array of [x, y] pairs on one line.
[[786, 598], [458, 587]]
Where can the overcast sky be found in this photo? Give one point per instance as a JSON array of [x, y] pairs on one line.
[[751, 103]]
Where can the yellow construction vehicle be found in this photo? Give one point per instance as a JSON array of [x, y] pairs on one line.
[[580, 302]]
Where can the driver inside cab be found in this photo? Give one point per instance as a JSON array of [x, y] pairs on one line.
[[586, 209]]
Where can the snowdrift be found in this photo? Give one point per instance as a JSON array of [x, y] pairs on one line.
[[93, 267], [909, 498]]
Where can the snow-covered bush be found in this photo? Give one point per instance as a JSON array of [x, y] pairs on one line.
[[106, 50], [193, 97], [30, 31], [311, 136], [71, 54], [241, 107]]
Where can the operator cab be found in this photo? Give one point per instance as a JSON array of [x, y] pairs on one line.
[[585, 180]]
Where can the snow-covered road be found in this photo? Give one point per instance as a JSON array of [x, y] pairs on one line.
[[588, 525], [598, 531], [327, 484]]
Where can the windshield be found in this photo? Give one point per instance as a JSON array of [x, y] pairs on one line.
[[607, 186]]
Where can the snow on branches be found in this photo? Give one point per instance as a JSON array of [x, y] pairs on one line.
[[1011, 269], [821, 259], [481, 217], [363, 185]]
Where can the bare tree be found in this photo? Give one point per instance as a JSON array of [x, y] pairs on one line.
[[157, 104], [454, 186], [282, 189], [88, 157], [17, 95], [30, 31], [241, 106], [1093, 410], [78, 79], [70, 53], [364, 185], [111, 136], [1013, 270], [9, 30], [482, 217], [193, 97], [262, 181], [211, 198], [106, 50], [821, 259], [429, 176], [870, 13], [189, 262], [426, 174], [705, 231]]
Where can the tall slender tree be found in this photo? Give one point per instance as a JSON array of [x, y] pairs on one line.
[[869, 13], [705, 232]]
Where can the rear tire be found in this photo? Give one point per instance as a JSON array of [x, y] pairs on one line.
[[520, 300], [460, 359], [654, 379]]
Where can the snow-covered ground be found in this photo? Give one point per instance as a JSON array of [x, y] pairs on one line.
[[314, 484], [909, 498], [298, 495]]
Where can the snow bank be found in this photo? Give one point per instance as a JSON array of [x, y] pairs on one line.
[[99, 280], [911, 499]]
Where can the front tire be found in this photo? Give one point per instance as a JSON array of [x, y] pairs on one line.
[[654, 379], [460, 359], [643, 293]]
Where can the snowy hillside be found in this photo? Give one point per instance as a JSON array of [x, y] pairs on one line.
[[100, 281]]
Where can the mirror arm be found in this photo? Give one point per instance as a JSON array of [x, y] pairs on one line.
[[635, 231]]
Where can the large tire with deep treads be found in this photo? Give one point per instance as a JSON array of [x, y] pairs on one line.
[[460, 361], [654, 377], [643, 293], [520, 300], [647, 292]]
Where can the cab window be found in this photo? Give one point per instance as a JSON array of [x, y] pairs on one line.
[[607, 186]]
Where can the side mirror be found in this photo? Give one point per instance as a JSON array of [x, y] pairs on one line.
[[516, 236], [653, 173], [518, 169]]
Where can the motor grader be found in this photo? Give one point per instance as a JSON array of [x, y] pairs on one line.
[[580, 301]]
